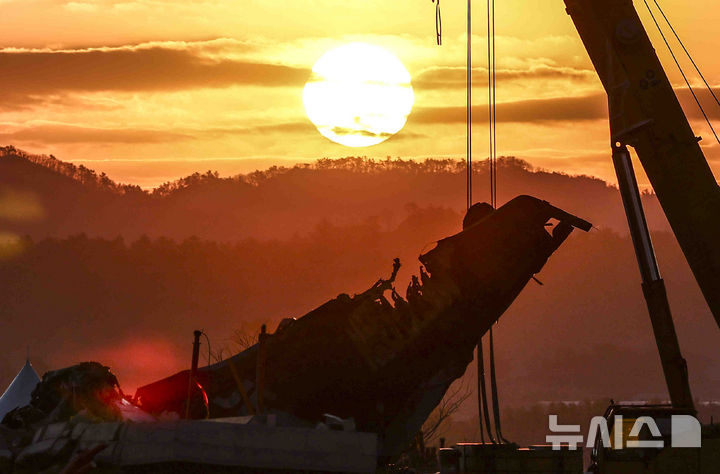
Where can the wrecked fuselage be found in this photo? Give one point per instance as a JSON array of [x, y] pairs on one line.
[[384, 360]]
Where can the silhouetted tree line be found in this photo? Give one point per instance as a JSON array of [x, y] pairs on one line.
[[79, 173], [280, 202], [352, 164]]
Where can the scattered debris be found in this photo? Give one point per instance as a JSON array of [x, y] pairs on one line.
[[341, 389], [88, 388], [388, 364]]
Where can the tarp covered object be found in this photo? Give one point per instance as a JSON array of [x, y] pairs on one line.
[[18, 394]]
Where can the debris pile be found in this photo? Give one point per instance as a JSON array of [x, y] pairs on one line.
[[88, 388], [380, 358], [377, 361]]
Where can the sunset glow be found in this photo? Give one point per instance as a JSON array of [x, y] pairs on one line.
[[149, 90]]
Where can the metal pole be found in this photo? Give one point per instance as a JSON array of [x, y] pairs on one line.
[[193, 371], [260, 370]]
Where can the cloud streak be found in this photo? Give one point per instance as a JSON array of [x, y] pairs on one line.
[[74, 134], [69, 134], [557, 109], [541, 110], [26, 74], [455, 77]]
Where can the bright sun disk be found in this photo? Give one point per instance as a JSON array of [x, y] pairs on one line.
[[358, 95]]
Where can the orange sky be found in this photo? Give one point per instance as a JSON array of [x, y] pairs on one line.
[[151, 90]]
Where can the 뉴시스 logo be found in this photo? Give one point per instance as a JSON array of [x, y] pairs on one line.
[[684, 430]]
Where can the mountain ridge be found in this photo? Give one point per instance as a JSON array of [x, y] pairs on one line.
[[280, 201]]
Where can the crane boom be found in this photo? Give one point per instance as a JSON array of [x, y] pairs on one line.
[[646, 115]]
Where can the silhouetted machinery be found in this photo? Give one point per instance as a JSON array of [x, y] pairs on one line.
[[645, 115], [339, 389]]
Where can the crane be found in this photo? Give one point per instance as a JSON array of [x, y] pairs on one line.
[[645, 115]]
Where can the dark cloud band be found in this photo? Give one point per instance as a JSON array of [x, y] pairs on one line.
[[557, 109], [455, 77], [25, 75]]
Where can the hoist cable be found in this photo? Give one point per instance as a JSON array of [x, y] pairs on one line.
[[490, 100], [480, 388], [494, 391], [492, 106], [469, 169], [483, 408], [677, 63], [697, 68], [494, 114]]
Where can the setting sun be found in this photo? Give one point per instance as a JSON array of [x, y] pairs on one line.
[[358, 95]]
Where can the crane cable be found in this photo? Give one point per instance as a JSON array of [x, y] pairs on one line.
[[483, 409], [468, 109], [493, 162], [677, 63], [491, 101], [702, 76]]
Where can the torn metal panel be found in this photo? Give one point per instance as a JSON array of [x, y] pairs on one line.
[[387, 364]]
